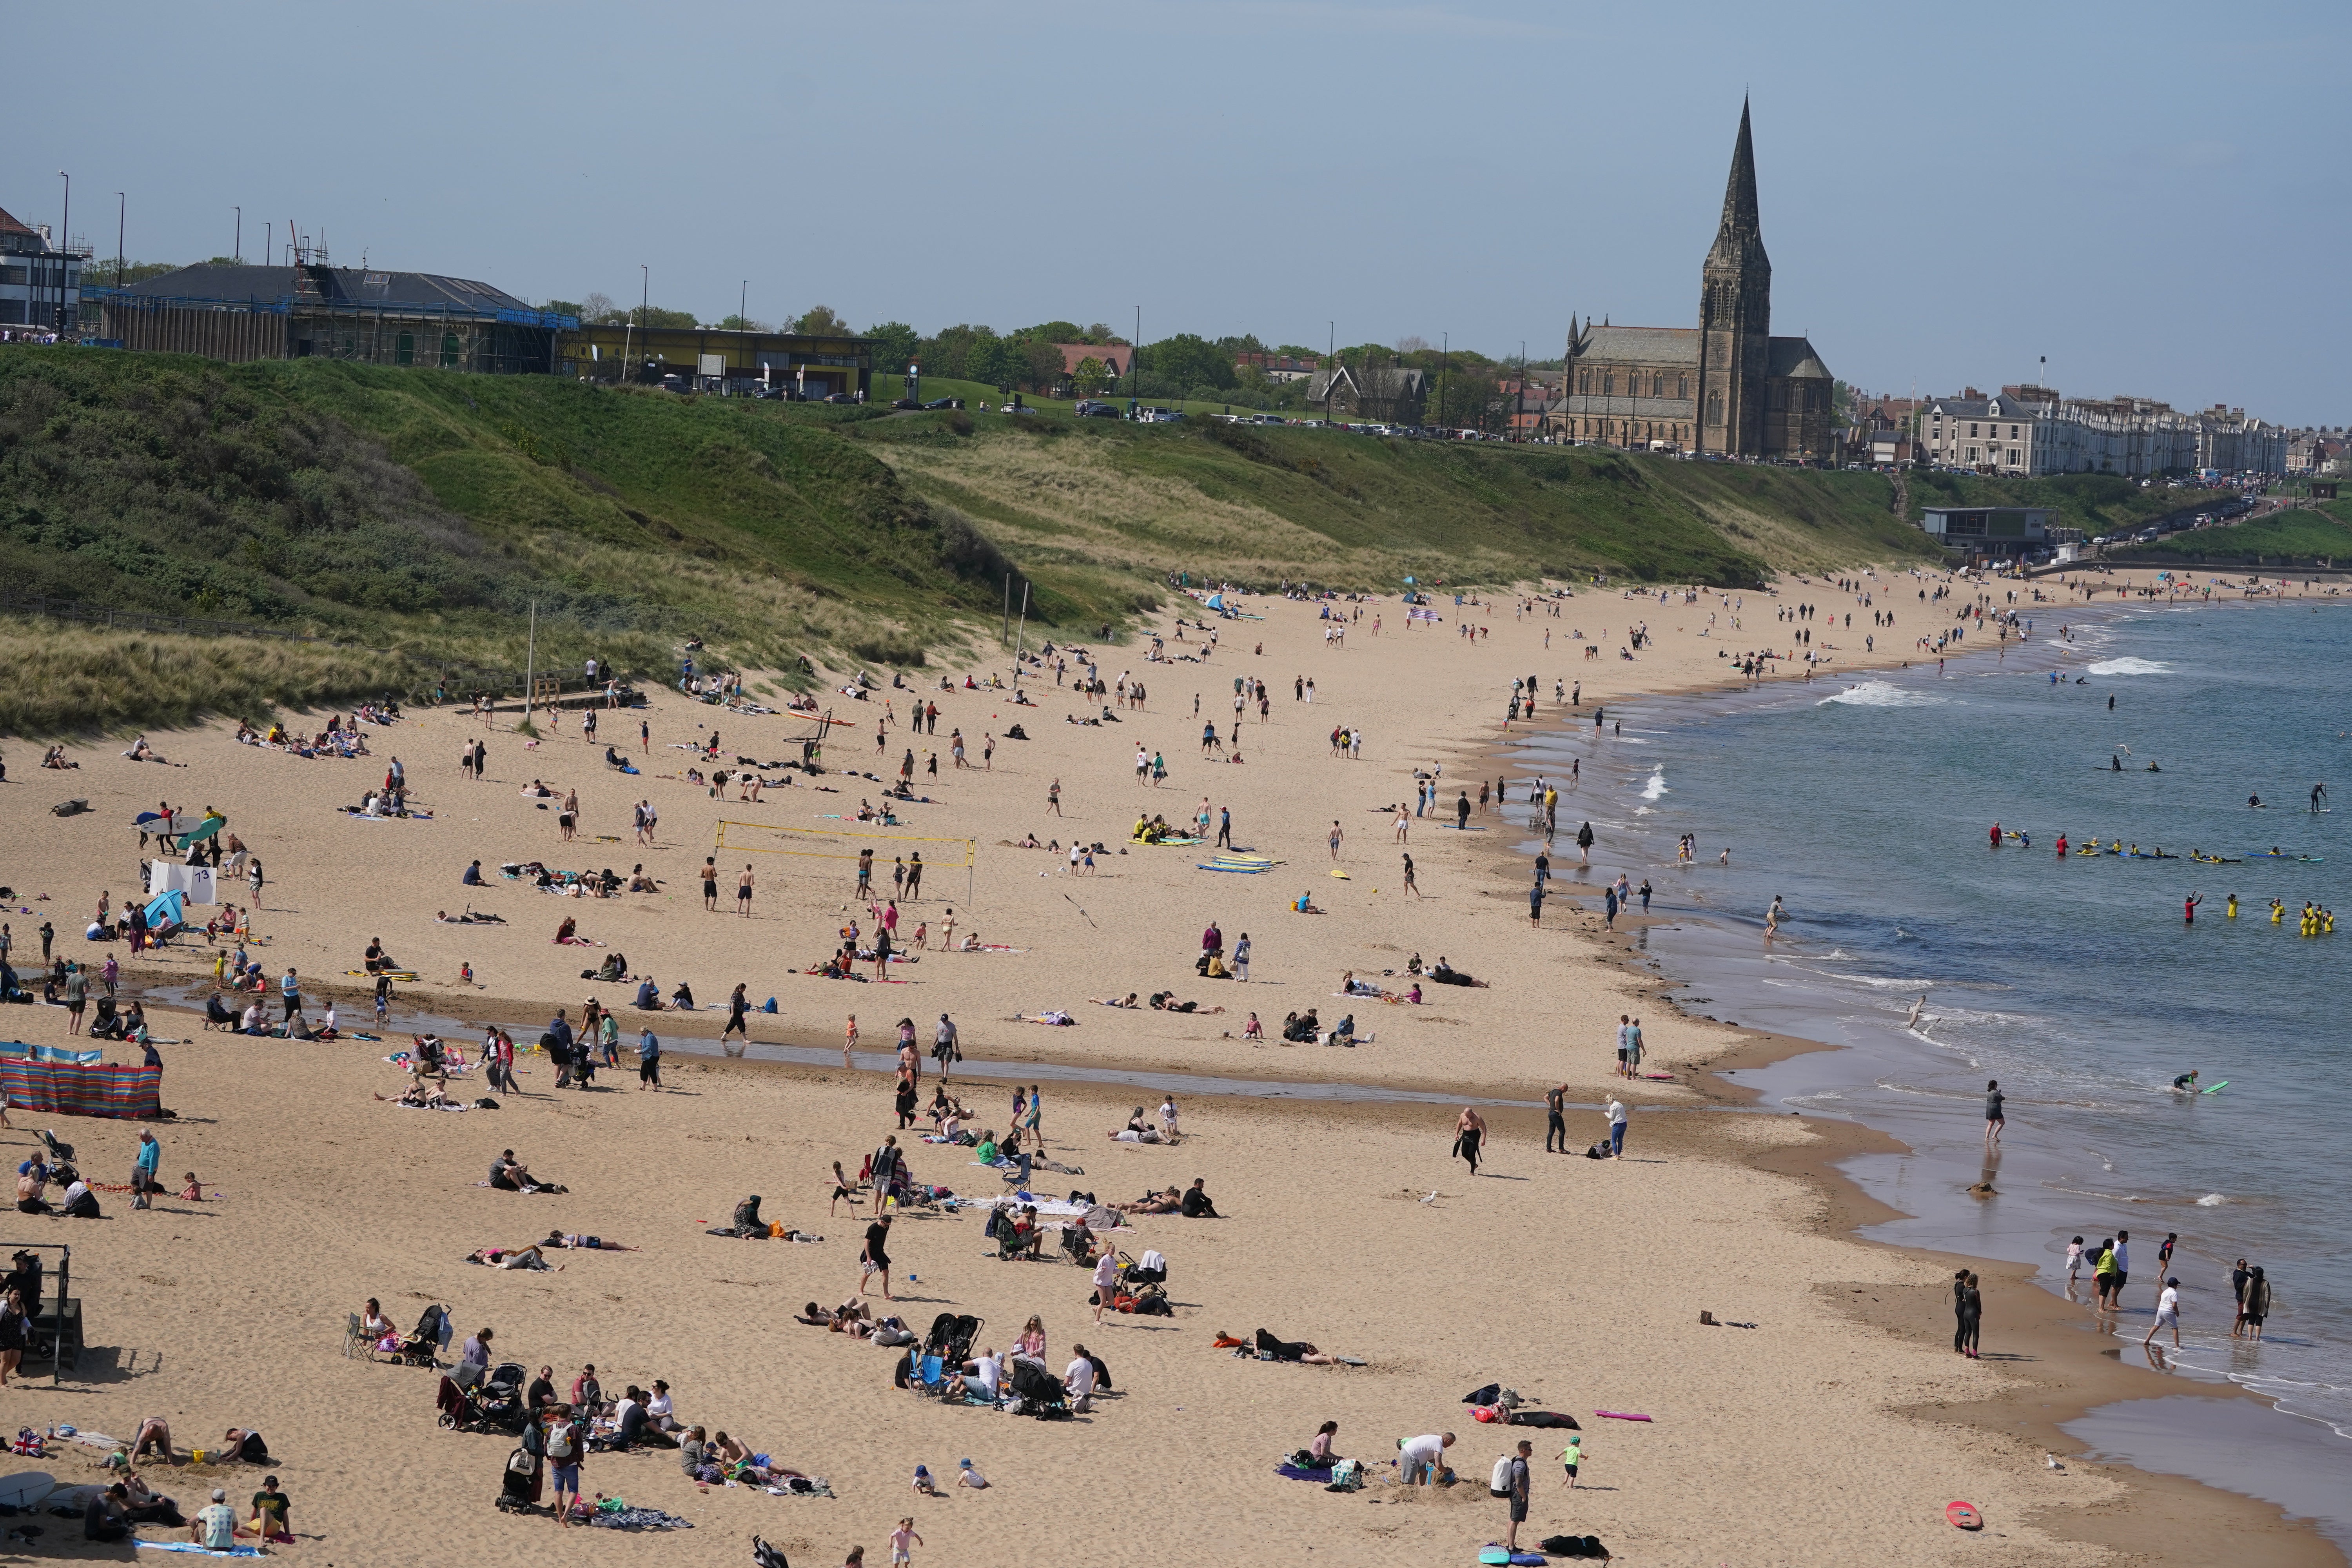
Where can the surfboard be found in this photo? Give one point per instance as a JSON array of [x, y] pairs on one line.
[[2215, 1088], [1620, 1415], [1964, 1516]]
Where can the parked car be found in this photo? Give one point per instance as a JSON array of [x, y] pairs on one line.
[[906, 403], [840, 397], [944, 403], [1096, 408]]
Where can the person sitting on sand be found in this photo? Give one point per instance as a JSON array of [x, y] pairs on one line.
[[1254, 1030], [509, 1174], [57, 758], [1196, 1204], [1137, 1130], [1445, 974], [218, 1014], [568, 932], [195, 1191]]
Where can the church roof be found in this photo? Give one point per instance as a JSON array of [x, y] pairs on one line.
[[1795, 357], [1792, 357], [1646, 346]]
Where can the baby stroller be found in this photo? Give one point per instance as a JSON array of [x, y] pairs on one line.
[[1038, 1391], [521, 1482], [951, 1338], [423, 1347], [496, 1405]]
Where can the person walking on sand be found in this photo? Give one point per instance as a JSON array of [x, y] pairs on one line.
[[1412, 887], [849, 1043], [1336, 836], [875, 1259], [743, 893], [903, 1541], [1469, 1132], [738, 1006], [2167, 1313], [1994, 1119], [1555, 1119], [1516, 1492], [648, 1059], [1616, 1127]]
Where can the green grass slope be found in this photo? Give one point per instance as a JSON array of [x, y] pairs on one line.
[[421, 514], [2095, 504], [1096, 498], [2320, 534]]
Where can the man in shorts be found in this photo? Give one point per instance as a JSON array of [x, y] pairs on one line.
[[877, 1257], [1519, 1495]]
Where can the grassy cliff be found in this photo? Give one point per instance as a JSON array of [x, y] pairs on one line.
[[421, 514]]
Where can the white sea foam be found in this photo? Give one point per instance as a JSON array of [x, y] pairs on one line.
[[1879, 694], [2130, 666], [1656, 785], [2212, 1200]]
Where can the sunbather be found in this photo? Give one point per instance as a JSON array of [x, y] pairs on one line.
[[588, 1243], [1169, 1202]]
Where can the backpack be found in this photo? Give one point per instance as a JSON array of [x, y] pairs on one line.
[[558, 1440], [1347, 1475], [1499, 1483]]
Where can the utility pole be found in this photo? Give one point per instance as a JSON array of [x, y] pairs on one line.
[[237, 249], [1008, 608], [742, 306], [1020, 638], [65, 239], [121, 210], [1135, 363], [1330, 366]]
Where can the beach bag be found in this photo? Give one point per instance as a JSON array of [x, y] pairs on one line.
[[1499, 1483], [1482, 1395], [558, 1440], [1347, 1475]]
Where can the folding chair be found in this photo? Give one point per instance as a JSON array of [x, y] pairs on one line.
[[354, 1340], [930, 1376]]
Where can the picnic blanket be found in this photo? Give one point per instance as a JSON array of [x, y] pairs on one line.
[[199, 1551], [63, 1088]]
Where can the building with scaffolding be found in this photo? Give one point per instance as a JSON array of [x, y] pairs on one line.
[[707, 358], [40, 283], [313, 310]]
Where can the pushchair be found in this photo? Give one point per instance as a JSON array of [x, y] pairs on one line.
[[521, 1482], [423, 1348], [1037, 1391], [496, 1405], [951, 1337]]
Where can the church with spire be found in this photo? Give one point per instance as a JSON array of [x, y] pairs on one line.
[[1727, 387]]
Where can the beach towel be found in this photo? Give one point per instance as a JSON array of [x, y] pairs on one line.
[[1301, 1473], [63, 1089], [200, 1550]]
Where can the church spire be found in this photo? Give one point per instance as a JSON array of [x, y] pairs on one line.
[[1740, 215]]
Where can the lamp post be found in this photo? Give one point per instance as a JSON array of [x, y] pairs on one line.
[[121, 212], [742, 306], [237, 249], [1330, 366], [65, 238]]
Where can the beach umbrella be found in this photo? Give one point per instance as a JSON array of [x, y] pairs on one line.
[[164, 910]]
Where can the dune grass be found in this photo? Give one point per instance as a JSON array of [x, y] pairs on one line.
[[71, 680]]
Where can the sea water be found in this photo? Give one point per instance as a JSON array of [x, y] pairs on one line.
[[1867, 804]]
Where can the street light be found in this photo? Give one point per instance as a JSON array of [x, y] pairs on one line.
[[122, 211], [65, 238]]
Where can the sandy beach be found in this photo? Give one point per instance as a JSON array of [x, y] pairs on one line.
[[1834, 1430]]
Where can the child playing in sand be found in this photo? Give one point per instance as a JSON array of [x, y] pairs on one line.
[[923, 1482], [1570, 1458], [903, 1541], [968, 1476], [195, 1191]]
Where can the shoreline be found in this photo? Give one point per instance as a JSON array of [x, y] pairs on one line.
[[2169, 1517]]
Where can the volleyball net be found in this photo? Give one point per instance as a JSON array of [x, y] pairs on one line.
[[846, 844]]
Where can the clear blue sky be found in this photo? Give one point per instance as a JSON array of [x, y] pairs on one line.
[[2154, 195]]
